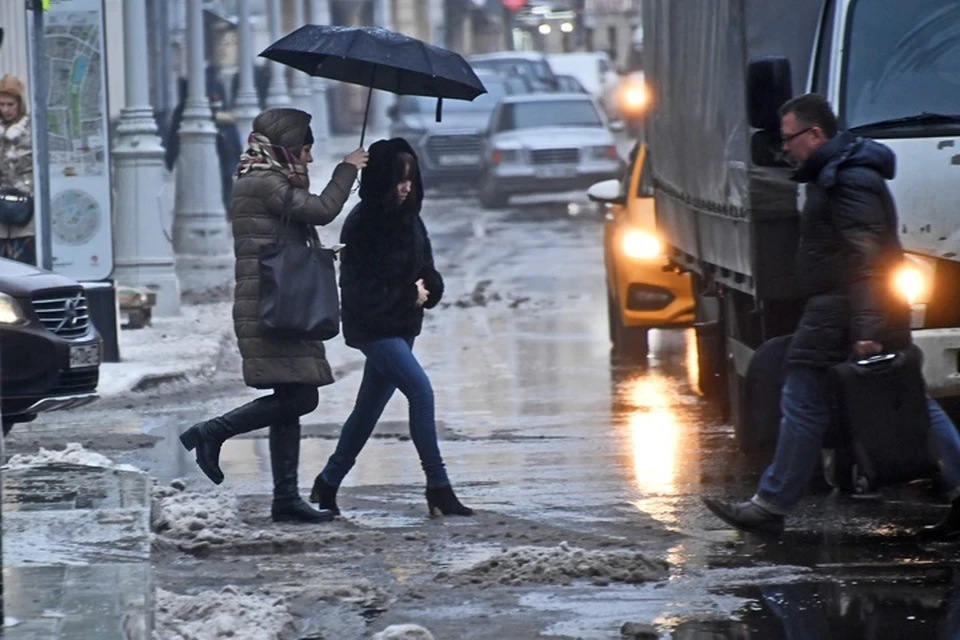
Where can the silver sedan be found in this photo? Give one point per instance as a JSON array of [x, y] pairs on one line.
[[546, 143]]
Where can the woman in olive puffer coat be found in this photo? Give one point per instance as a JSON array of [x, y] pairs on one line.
[[279, 150]]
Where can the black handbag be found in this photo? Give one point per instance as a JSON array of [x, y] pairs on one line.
[[16, 207], [299, 299]]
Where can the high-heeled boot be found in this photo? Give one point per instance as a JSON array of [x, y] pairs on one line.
[[442, 500], [208, 436], [287, 504], [324, 495]]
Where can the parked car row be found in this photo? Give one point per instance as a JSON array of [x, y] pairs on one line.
[[533, 132]]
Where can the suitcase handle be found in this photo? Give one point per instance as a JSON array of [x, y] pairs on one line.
[[877, 359]]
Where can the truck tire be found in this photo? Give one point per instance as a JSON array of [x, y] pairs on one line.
[[629, 343], [711, 374]]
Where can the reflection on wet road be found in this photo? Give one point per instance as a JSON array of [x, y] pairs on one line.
[[538, 423]]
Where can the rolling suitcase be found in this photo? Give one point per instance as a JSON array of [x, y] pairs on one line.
[[881, 420]]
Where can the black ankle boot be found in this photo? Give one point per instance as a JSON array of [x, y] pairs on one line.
[[442, 500], [947, 529], [207, 437], [287, 505], [324, 495]]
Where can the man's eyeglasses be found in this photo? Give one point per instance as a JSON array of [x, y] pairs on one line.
[[791, 137]]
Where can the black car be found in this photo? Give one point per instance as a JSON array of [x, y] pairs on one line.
[[450, 151], [50, 352]]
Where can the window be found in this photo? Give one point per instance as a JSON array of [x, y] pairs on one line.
[[549, 113], [821, 69], [901, 60]]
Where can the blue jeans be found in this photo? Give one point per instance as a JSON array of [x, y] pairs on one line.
[[390, 365], [806, 417]]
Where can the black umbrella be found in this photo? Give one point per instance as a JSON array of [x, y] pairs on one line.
[[379, 59]]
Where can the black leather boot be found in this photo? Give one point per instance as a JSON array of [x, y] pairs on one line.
[[442, 500], [324, 495], [746, 516], [947, 529], [208, 436], [287, 505]]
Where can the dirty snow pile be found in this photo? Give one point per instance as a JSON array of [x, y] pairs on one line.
[[74, 453], [561, 565], [196, 518], [403, 632], [227, 613]]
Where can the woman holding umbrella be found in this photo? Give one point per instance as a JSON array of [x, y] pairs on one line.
[[273, 183], [387, 279]]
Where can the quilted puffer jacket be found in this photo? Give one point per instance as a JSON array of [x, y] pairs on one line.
[[255, 212]]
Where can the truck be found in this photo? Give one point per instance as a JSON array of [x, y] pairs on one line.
[[727, 209]]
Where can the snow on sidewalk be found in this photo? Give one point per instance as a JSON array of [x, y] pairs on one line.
[[172, 348]]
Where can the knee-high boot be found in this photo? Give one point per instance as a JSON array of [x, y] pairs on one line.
[[288, 506]]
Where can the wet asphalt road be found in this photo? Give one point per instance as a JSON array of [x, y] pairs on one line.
[[539, 425]]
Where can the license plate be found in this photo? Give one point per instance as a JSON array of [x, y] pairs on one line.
[[459, 159], [84, 356], [555, 172]]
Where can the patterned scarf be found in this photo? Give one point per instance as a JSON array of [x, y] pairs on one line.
[[261, 154]]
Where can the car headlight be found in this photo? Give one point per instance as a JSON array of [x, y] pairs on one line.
[[912, 282], [634, 97], [505, 156], [603, 152], [10, 311], [641, 245]]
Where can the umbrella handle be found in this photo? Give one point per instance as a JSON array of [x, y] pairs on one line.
[[366, 112]]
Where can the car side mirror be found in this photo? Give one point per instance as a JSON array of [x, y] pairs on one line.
[[607, 192], [765, 149], [769, 85]]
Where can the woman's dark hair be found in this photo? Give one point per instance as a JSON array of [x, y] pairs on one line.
[[404, 168]]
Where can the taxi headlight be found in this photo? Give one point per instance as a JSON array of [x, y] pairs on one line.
[[641, 245]]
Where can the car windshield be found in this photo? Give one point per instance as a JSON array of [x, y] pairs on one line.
[[901, 61], [549, 113], [483, 103], [539, 69]]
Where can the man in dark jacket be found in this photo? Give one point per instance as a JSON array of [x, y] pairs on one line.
[[847, 253]]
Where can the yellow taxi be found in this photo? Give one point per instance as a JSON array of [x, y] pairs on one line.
[[643, 291]]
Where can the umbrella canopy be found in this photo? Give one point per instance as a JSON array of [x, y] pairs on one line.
[[379, 59]]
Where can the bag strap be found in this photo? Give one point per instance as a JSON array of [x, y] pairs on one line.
[[286, 215]]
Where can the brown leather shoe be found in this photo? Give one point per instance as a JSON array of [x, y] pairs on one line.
[[746, 516]]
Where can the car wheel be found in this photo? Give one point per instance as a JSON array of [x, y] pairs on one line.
[[490, 198], [629, 343]]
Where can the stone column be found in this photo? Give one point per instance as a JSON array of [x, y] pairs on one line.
[[246, 106], [300, 82], [200, 227], [144, 256], [277, 95], [320, 14]]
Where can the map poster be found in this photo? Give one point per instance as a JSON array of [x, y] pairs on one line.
[[81, 225]]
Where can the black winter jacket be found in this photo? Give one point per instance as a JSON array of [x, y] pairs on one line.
[[847, 253], [385, 253]]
